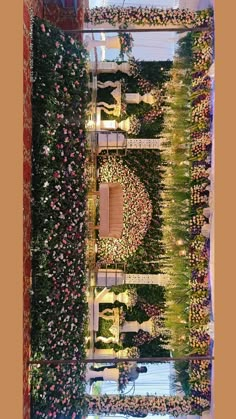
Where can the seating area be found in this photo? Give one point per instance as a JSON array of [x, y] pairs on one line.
[[111, 210]]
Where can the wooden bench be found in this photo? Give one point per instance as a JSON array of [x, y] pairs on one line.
[[111, 210]]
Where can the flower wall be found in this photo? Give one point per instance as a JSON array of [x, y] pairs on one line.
[[59, 192]]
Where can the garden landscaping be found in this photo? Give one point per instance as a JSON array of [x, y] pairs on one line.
[[166, 209]]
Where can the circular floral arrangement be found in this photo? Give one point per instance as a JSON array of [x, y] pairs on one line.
[[137, 211], [126, 43]]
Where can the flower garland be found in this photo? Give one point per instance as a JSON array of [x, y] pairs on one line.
[[134, 67], [123, 376], [142, 405], [152, 16], [135, 125], [126, 44]]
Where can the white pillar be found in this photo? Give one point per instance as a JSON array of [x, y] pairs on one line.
[[135, 326], [111, 297], [111, 141], [142, 143], [154, 279], [109, 353], [110, 42], [111, 67], [113, 124], [136, 98], [114, 140], [109, 278]]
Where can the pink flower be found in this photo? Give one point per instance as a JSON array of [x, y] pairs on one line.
[[43, 29], [72, 41], [52, 387], [60, 116], [57, 44]]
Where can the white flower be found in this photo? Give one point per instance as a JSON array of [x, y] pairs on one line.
[[46, 184], [46, 150]]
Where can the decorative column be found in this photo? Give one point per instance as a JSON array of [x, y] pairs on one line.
[[111, 67], [111, 297], [111, 141], [114, 140], [136, 98], [111, 42], [143, 143], [113, 124], [111, 277], [154, 279], [111, 354], [135, 326]]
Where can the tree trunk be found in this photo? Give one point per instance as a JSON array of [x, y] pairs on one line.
[[141, 406]]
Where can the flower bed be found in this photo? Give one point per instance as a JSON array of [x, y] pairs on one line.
[[199, 372], [193, 249], [58, 218], [140, 406]]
